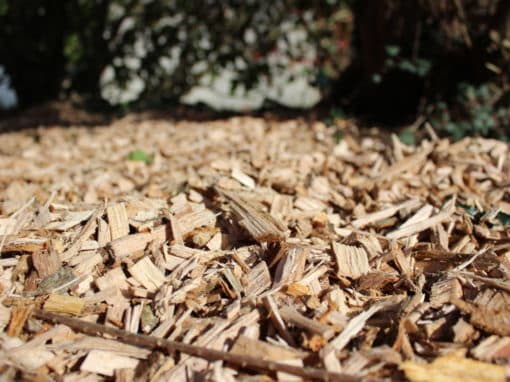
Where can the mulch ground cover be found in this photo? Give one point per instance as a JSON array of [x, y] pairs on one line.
[[247, 249]]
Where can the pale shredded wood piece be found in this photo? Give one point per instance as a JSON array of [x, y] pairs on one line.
[[83, 235], [353, 327], [289, 314], [260, 225], [419, 227], [351, 261], [147, 274], [105, 363], [255, 348], [117, 220], [70, 219], [64, 304], [453, 368], [257, 280], [130, 244], [386, 213]]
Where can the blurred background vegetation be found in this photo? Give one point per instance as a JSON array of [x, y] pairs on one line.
[[389, 61]]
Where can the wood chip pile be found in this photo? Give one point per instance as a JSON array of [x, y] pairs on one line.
[[253, 251]]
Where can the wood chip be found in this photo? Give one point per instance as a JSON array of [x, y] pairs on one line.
[[420, 226], [259, 224], [255, 348], [82, 236], [19, 316], [492, 349], [386, 213], [147, 274], [69, 220], [117, 221], [105, 363], [257, 280], [24, 244], [128, 245], [45, 262], [452, 368], [58, 303], [292, 316], [351, 261]]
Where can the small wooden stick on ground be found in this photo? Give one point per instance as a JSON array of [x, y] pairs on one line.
[[208, 354]]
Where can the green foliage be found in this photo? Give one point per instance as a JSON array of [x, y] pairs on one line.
[[476, 112], [376, 78], [407, 137], [392, 50], [503, 218], [475, 215], [158, 50], [3, 7], [471, 211], [396, 61], [151, 52], [73, 51], [459, 53], [140, 156]]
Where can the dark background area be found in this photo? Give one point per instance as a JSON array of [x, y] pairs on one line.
[[385, 61]]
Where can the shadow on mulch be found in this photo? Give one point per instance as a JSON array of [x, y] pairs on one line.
[[54, 113], [65, 113]]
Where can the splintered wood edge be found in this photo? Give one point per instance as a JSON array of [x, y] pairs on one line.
[[259, 224]]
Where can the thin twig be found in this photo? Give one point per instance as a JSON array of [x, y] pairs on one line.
[[196, 351], [496, 283]]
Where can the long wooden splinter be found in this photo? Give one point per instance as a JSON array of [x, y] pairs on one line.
[[154, 343]]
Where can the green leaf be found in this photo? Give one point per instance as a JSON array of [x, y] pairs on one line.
[[407, 66], [73, 50], [503, 218], [337, 112], [392, 50], [140, 156], [389, 63], [471, 211], [407, 137], [423, 67], [4, 7], [376, 78]]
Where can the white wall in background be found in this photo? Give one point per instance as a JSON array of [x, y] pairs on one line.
[[8, 96]]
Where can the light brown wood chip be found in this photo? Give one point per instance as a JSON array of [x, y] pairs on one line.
[[258, 223], [422, 225], [255, 348], [147, 274], [351, 261], [130, 244], [291, 315], [385, 213], [117, 220], [58, 303], [105, 363], [453, 368]]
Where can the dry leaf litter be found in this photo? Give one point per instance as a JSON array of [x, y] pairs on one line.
[[251, 250]]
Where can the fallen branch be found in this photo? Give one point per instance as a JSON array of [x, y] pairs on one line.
[[154, 343]]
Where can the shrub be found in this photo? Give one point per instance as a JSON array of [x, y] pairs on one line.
[[131, 51]]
